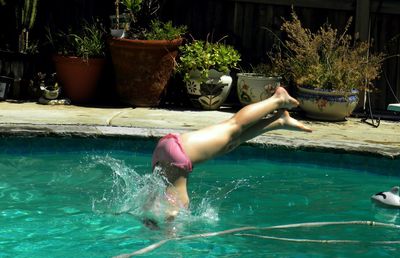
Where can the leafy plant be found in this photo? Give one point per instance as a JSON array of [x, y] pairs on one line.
[[159, 30], [144, 23], [326, 59], [26, 12], [133, 7], [203, 56], [89, 42]]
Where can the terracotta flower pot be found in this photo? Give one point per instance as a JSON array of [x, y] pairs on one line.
[[142, 69], [78, 77]]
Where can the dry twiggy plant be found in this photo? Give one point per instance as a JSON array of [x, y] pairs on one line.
[[326, 59]]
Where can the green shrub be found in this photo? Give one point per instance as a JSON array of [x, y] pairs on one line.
[[326, 59], [203, 56], [159, 31], [88, 42]]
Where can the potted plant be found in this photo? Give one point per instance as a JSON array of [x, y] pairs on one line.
[[119, 22], [48, 86], [144, 59], [327, 68], [205, 67], [19, 57], [50, 90], [257, 85], [27, 17], [79, 60]]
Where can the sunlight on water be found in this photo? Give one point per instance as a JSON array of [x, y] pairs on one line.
[[91, 196]]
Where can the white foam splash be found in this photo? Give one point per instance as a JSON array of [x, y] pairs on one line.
[[144, 196]]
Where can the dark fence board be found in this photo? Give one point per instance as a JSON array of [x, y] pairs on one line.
[[243, 21]]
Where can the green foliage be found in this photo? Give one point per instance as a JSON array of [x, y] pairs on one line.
[[133, 6], [33, 47], [203, 56], [160, 30], [89, 42], [29, 12], [267, 70], [143, 21], [326, 59], [25, 13]]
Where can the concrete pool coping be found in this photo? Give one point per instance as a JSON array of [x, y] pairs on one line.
[[31, 119]]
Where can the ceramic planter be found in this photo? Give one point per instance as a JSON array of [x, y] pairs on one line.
[[209, 95], [326, 105], [78, 77], [142, 69], [254, 87], [118, 26], [50, 94]]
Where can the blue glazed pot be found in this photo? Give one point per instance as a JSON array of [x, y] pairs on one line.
[[326, 105]]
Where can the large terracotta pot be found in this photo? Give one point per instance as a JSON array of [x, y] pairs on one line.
[[142, 69], [254, 87], [78, 77], [326, 105], [209, 95]]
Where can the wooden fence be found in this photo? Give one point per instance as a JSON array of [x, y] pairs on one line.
[[244, 22]]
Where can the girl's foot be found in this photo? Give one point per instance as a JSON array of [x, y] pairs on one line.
[[286, 101], [288, 122]]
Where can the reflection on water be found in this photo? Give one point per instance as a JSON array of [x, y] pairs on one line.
[[386, 214]]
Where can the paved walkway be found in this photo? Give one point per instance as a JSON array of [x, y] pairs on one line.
[[32, 119]]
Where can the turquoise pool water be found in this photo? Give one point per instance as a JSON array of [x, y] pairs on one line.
[[71, 197]]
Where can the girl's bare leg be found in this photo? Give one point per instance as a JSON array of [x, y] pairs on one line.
[[214, 140], [280, 120]]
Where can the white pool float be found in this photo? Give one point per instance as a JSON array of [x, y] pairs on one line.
[[388, 199]]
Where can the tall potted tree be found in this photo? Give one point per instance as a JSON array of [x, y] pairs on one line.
[[27, 17], [18, 57], [327, 68], [144, 58], [79, 61]]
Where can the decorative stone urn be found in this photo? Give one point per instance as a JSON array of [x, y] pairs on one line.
[[211, 94], [254, 87], [326, 105], [50, 93]]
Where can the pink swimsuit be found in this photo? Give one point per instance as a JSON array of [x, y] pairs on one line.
[[169, 149]]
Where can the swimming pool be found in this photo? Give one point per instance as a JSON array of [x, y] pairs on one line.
[[69, 197]]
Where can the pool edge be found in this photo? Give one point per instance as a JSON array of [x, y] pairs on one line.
[[263, 141]]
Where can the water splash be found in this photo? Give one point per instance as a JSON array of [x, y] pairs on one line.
[[144, 195], [130, 192]]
